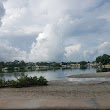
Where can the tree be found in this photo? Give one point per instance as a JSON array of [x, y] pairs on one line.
[[22, 63], [83, 63], [104, 59]]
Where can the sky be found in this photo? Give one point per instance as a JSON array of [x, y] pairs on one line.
[[54, 30]]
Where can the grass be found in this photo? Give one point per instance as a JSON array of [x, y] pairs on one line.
[[24, 81]]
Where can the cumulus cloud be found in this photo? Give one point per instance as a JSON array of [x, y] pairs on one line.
[[73, 52], [72, 48], [101, 49], [104, 48], [9, 53], [65, 30], [48, 45]]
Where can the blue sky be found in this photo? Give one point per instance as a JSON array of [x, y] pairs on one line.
[[54, 30]]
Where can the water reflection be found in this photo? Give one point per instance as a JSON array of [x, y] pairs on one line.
[[54, 74], [103, 70], [57, 74], [11, 76]]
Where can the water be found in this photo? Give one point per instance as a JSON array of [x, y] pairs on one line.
[[56, 75], [49, 74]]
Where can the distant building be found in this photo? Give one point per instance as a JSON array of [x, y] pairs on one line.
[[5, 69], [75, 65], [16, 68]]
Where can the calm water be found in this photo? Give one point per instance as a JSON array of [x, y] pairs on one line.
[[49, 74]]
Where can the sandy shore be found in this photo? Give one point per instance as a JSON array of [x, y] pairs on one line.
[[58, 94], [95, 75]]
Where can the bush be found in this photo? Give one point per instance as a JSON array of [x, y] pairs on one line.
[[24, 81], [2, 82], [12, 83], [42, 81]]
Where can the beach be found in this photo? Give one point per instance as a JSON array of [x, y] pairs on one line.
[[58, 94], [93, 75]]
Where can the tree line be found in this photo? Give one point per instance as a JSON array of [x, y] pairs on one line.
[[104, 59]]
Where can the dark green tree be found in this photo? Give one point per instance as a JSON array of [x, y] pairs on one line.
[[104, 59], [83, 63]]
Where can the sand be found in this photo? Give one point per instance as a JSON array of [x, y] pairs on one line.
[[59, 95], [95, 75]]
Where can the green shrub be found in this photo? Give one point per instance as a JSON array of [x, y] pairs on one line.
[[12, 83], [42, 81], [24, 81], [2, 82]]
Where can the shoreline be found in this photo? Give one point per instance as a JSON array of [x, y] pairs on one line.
[[58, 94], [91, 75]]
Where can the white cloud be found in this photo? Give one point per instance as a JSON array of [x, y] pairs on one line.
[[72, 49], [91, 54], [9, 53], [104, 48], [65, 29], [73, 53], [48, 45]]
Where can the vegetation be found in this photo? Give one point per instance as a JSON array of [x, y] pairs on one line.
[[104, 59], [83, 65], [22, 66], [24, 81]]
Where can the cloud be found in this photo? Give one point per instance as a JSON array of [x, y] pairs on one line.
[[104, 48], [9, 53], [2, 11], [48, 45], [71, 25], [73, 53], [101, 49], [72, 49], [64, 30]]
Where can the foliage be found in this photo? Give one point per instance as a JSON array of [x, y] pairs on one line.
[[83, 63], [42, 81], [24, 81], [2, 82], [104, 59]]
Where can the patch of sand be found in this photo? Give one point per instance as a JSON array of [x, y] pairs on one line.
[[58, 94], [94, 75]]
